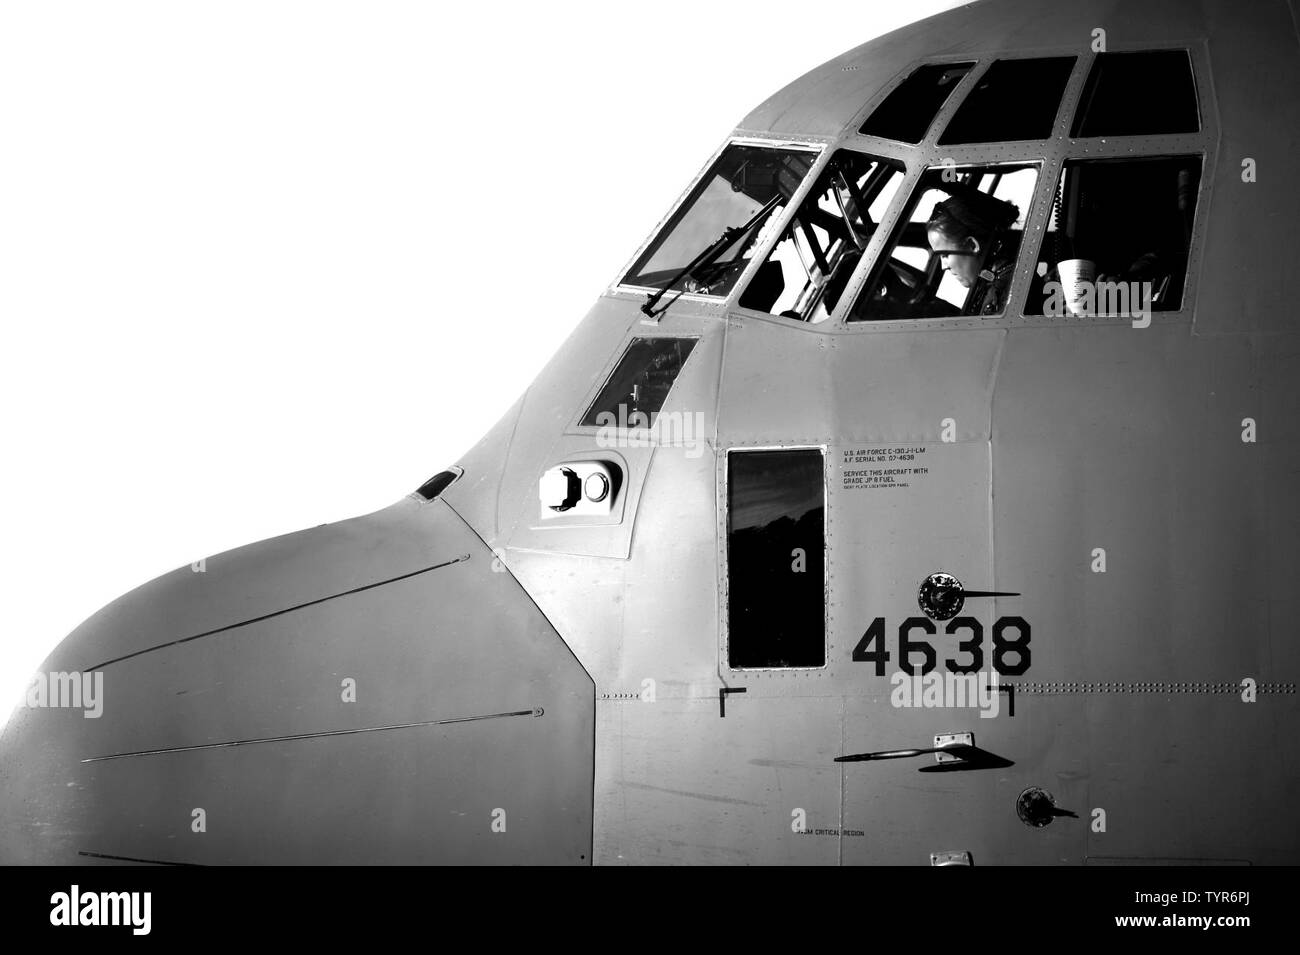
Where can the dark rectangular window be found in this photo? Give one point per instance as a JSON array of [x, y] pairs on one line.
[[1014, 99], [639, 386], [1148, 93], [776, 559], [1118, 222], [906, 113]]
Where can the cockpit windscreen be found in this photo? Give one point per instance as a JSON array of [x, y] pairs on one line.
[[746, 189]]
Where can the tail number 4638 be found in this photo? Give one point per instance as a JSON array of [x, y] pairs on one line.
[[1010, 645]]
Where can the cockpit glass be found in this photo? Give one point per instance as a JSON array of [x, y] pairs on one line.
[[1013, 100], [741, 184], [954, 252], [1119, 237], [818, 250], [906, 113], [639, 385], [1139, 93]]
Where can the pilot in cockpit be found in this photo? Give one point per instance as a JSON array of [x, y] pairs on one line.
[[971, 233]]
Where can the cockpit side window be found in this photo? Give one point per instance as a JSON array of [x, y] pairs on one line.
[[1141, 93], [638, 387], [815, 255], [746, 187], [1119, 237], [906, 113], [1013, 100], [954, 250]]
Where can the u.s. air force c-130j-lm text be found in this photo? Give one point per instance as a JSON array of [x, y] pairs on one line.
[[922, 492]]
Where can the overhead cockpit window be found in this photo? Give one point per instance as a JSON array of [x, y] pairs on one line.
[[640, 383], [1013, 100], [1119, 236], [1146, 93], [776, 559], [954, 250], [906, 113], [811, 263], [746, 188]]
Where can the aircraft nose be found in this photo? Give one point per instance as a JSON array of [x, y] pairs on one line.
[[280, 711]]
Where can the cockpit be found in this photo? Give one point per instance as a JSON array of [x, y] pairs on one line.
[[1044, 186]]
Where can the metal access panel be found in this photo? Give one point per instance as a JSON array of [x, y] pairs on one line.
[[681, 784]]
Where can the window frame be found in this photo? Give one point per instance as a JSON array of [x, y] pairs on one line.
[[1198, 93], [576, 427], [1069, 96], [973, 64], [1052, 154], [1191, 274], [765, 252], [817, 146], [906, 208]]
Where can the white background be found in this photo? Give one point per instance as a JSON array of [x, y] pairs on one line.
[[266, 265]]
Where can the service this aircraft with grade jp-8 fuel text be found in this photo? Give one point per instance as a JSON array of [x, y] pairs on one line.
[[922, 492]]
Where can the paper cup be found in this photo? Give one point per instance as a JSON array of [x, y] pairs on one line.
[[1077, 282]]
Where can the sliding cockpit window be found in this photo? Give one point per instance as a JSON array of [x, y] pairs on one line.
[[1119, 238], [953, 253], [818, 250], [722, 221]]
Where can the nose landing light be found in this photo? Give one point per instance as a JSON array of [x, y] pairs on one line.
[[559, 489], [578, 488]]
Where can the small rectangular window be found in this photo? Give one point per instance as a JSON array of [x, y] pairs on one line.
[[746, 186], [811, 263], [1013, 100], [776, 559], [1147, 93], [640, 383], [1119, 237], [954, 251], [906, 113]]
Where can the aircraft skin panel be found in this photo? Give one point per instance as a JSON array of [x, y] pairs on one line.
[[255, 580], [1192, 768], [492, 498], [677, 784], [1242, 292], [618, 621], [294, 734], [931, 810]]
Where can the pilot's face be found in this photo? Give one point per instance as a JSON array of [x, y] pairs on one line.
[[958, 256]]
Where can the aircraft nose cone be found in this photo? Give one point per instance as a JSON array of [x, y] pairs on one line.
[[372, 694], [43, 801]]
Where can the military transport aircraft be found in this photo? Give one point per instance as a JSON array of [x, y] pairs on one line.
[[922, 492]]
